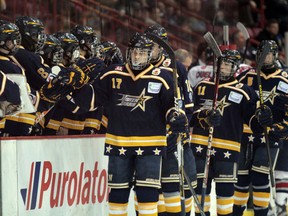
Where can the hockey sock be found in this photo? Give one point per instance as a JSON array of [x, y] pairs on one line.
[[241, 194], [147, 201], [172, 202], [261, 193], [188, 202], [118, 201]]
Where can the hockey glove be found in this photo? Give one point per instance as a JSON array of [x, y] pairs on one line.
[[74, 77], [92, 68], [178, 121], [7, 108], [264, 116], [209, 118], [174, 138], [281, 102], [278, 132]]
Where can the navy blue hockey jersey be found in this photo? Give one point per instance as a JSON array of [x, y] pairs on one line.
[[236, 103], [136, 106]]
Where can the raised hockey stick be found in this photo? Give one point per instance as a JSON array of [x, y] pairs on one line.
[[179, 155], [178, 104], [214, 46], [258, 71], [246, 35]]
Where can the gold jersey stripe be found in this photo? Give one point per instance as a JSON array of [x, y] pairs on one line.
[[217, 143], [135, 140]]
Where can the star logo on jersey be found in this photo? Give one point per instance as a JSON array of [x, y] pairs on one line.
[[157, 151], [213, 151], [251, 138], [227, 154], [199, 149], [134, 101], [142, 100], [139, 151], [122, 151], [222, 104], [271, 95], [108, 149]]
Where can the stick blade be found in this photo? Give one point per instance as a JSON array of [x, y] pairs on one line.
[[243, 29], [212, 44]]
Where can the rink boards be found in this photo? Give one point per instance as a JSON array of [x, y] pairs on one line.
[[63, 175]]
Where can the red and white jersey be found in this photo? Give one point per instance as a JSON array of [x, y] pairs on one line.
[[242, 68], [198, 73]]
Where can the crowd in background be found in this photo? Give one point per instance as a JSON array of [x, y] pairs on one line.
[[186, 21]]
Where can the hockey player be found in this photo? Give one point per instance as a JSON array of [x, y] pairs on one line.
[[170, 172], [253, 163], [88, 61], [110, 54], [88, 41], [71, 124], [10, 101], [52, 54], [40, 76], [21, 123], [236, 103], [140, 103]]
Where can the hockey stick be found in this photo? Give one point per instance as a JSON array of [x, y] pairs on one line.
[[245, 33], [178, 103], [259, 65], [213, 45], [179, 155]]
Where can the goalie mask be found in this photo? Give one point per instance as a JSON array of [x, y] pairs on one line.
[[70, 45], [87, 39], [110, 53], [52, 51], [272, 56], [230, 64], [138, 54], [10, 38], [160, 32], [32, 32]]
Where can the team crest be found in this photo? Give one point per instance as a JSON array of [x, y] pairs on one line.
[[119, 68], [166, 62], [156, 71], [134, 101], [284, 74]]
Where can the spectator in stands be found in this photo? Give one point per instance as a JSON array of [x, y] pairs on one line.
[[271, 32], [183, 56], [201, 58], [240, 42], [195, 24], [278, 9], [246, 14], [3, 5]]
